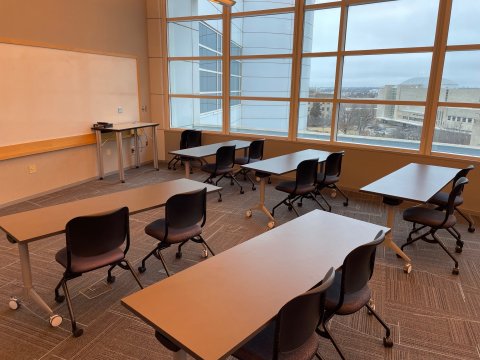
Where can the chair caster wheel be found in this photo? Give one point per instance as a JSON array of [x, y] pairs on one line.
[[205, 253], [455, 271], [290, 208], [231, 183], [178, 255], [299, 204], [248, 213], [387, 342], [333, 194], [271, 224], [14, 303], [458, 249], [219, 200], [141, 269], [110, 279], [254, 188], [174, 168], [345, 203], [471, 229], [59, 299], [169, 167], [242, 192], [55, 320], [407, 269], [77, 332]]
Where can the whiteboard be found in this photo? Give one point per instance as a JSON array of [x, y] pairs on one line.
[[49, 93]]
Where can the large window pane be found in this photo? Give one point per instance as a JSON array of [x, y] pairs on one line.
[[321, 30], [312, 2], [457, 131], [464, 24], [391, 24], [461, 77], [195, 38], [195, 77], [263, 78], [397, 126], [387, 77], [314, 120], [260, 117], [180, 8], [193, 113], [318, 77], [259, 35], [253, 5]]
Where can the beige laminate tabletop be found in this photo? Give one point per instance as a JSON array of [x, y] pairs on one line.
[[283, 164], [127, 126], [40, 223], [212, 308], [415, 182], [207, 150]]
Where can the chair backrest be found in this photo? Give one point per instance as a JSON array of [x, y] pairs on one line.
[[194, 138], [462, 173], [456, 191], [93, 235], [188, 209], [333, 164], [225, 157], [255, 150], [297, 320], [307, 172], [183, 139], [358, 267]]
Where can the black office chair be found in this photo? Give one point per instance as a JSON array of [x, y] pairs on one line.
[[255, 153], [188, 139], [92, 243], [330, 177], [436, 219], [303, 185], [223, 167], [185, 216], [441, 199], [350, 291]]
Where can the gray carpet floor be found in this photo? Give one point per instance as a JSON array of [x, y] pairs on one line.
[[432, 313]]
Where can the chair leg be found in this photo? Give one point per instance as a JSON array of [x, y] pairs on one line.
[[59, 298], [290, 203], [206, 244], [158, 255], [387, 341], [75, 330], [456, 236], [471, 224], [129, 267], [142, 268], [233, 178], [220, 178], [251, 181], [110, 277], [178, 254], [410, 241], [328, 335], [325, 200], [321, 206], [280, 203], [345, 203], [455, 270]]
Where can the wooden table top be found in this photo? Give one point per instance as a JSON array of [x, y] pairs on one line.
[[415, 182], [43, 222], [283, 164], [126, 126], [207, 150], [212, 308]]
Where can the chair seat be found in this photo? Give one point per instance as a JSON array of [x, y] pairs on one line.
[[80, 264], [261, 347], [210, 168], [429, 217], [289, 187], [157, 228], [351, 303], [330, 179], [441, 199], [244, 160]]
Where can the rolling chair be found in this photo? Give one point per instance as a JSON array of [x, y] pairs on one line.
[[255, 153], [185, 216], [188, 139], [350, 291], [437, 219], [93, 242]]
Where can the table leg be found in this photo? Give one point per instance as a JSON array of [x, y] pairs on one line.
[[155, 150], [187, 169], [28, 290], [389, 239], [98, 136], [137, 153], [261, 205], [180, 355], [120, 156]]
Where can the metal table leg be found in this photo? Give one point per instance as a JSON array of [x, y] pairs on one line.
[[187, 169], [98, 136], [261, 205], [137, 153], [389, 239], [120, 155], [155, 150]]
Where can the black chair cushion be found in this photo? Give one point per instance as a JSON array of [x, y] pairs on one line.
[[289, 187], [330, 179], [80, 264], [210, 168], [429, 217], [352, 302], [156, 229], [441, 199], [261, 347]]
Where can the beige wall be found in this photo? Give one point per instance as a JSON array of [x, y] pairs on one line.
[[99, 26]]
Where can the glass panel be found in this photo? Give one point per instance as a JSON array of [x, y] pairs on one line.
[[259, 35], [397, 126], [312, 2], [195, 77], [260, 117], [195, 38], [461, 77], [457, 131], [264, 78], [178, 8], [387, 77], [391, 24], [196, 113], [321, 30], [464, 24], [318, 77], [252, 5], [314, 120]]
